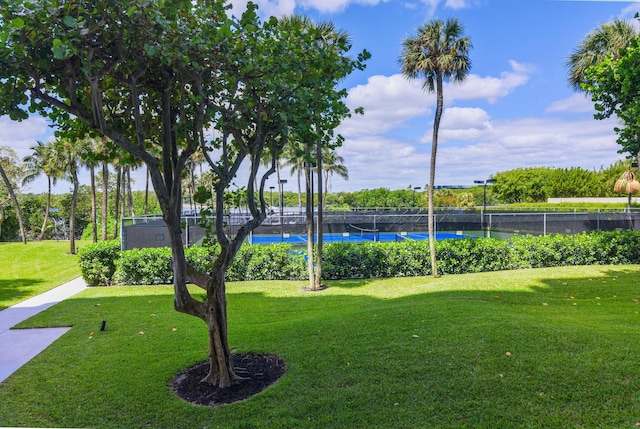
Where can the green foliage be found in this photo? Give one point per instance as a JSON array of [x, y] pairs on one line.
[[9, 227], [275, 262], [410, 258], [367, 260], [472, 255], [144, 267], [98, 262], [153, 265], [614, 84]]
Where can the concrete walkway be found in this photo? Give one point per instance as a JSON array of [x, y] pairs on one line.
[[19, 346]]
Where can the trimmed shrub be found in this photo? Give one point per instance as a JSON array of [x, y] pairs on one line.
[[144, 267], [104, 264], [98, 262], [275, 262]]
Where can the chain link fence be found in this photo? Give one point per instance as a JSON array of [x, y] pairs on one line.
[[150, 231]]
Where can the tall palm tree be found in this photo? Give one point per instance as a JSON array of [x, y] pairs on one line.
[[66, 155], [37, 163], [332, 163], [607, 39], [437, 52], [327, 37]]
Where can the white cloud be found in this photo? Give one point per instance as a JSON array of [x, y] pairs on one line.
[[21, 136], [462, 123], [530, 142], [463, 117], [456, 4], [489, 87], [287, 7], [390, 102], [478, 148], [576, 103]]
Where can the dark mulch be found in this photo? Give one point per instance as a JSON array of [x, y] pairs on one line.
[[258, 371]]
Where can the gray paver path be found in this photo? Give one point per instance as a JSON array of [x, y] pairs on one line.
[[19, 346]]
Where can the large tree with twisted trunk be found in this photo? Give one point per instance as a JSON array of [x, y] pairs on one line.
[[163, 79]]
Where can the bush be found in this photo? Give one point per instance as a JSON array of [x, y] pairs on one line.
[[275, 262], [144, 267], [98, 262], [153, 265], [103, 263]]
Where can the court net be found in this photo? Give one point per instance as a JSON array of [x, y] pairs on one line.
[[364, 233]]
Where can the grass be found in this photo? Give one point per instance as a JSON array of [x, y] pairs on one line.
[[553, 348], [34, 268]]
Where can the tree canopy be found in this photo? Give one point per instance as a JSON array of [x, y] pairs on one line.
[[164, 79], [614, 84]]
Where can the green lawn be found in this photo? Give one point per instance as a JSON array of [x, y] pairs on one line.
[[546, 348], [31, 269]]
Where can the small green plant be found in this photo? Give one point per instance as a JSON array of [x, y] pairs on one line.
[[98, 262]]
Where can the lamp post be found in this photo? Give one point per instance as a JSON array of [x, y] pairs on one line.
[[415, 188], [281, 183], [484, 184], [271, 196]]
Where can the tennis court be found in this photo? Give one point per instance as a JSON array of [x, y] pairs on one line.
[[363, 237]]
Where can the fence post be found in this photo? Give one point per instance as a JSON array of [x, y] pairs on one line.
[[544, 221]]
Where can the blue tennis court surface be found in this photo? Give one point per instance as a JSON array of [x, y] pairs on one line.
[[353, 238]]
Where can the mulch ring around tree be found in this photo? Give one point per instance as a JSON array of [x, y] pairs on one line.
[[258, 371]]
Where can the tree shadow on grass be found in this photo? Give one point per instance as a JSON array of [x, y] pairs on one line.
[[15, 289]]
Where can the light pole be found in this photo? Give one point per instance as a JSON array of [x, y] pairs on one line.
[[281, 183], [415, 188], [484, 184], [271, 197]]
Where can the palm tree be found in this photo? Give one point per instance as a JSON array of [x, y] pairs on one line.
[[607, 39], [65, 157], [39, 163], [438, 52], [332, 163], [328, 37]]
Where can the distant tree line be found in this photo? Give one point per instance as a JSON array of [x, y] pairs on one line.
[[534, 185]]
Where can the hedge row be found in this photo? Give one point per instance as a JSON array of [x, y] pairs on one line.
[[104, 263]]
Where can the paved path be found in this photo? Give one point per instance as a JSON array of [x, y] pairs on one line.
[[19, 346]]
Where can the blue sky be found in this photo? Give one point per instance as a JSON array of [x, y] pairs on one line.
[[515, 109]]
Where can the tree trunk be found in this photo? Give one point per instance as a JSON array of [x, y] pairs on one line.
[[116, 206], [72, 213], [326, 182], [221, 369], [47, 209], [132, 209], [309, 222], [105, 199], [146, 193], [318, 281], [432, 172], [213, 311], [94, 214], [14, 199], [300, 189]]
